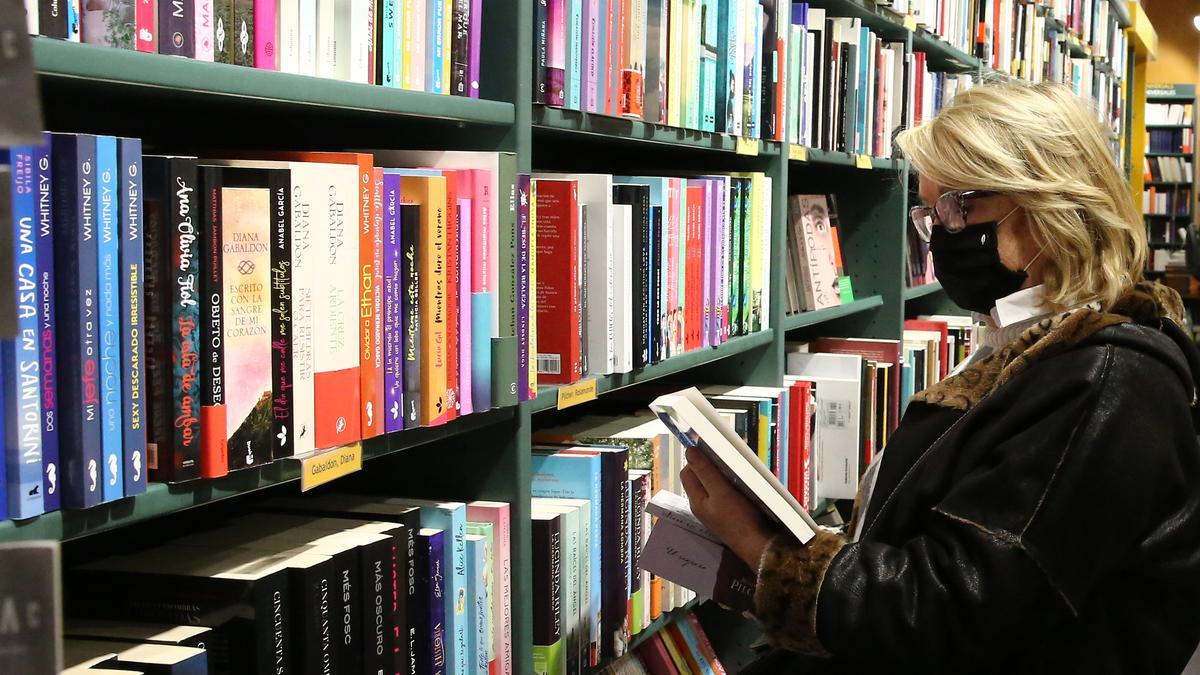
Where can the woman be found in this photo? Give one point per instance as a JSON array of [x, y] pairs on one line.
[[1039, 510]]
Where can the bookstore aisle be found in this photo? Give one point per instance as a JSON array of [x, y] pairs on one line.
[[330, 329]]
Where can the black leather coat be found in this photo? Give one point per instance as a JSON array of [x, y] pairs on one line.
[[1052, 528]]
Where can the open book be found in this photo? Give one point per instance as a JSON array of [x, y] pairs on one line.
[[680, 549]]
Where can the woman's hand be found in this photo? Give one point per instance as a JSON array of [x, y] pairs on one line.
[[723, 510]]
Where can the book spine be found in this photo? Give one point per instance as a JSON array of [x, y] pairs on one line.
[[289, 36], [451, 295], [203, 29], [370, 362], [574, 92], [176, 28], [589, 83], [744, 256], [223, 31], [556, 62], [375, 620], [132, 337], [396, 411], [265, 34], [642, 253], [214, 458], [483, 309], [282, 327], [548, 648], [633, 64], [541, 50], [433, 45], [406, 46], [75, 261], [21, 398], [362, 41], [48, 364], [305, 197], [475, 38], [460, 47], [109, 311], [335, 346], [466, 318], [524, 201], [145, 24], [431, 277], [438, 636], [386, 55], [52, 18], [478, 605], [307, 34], [243, 35], [408, 287]]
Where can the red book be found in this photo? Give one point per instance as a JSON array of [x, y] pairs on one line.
[[879, 351], [655, 657], [943, 346], [146, 25], [695, 259], [451, 299], [800, 445], [671, 632], [706, 648], [558, 358]]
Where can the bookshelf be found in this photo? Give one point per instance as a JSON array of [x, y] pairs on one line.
[[1169, 182], [487, 455]]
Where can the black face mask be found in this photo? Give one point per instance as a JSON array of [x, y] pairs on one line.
[[968, 265]]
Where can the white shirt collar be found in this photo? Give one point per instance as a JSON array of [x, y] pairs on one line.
[[1019, 307]]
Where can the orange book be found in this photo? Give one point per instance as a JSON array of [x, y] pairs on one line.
[[452, 365], [429, 193], [680, 653]]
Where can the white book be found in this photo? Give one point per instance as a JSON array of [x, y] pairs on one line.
[[361, 25], [765, 257], [694, 421], [415, 29], [623, 288], [307, 21], [289, 36], [838, 398]]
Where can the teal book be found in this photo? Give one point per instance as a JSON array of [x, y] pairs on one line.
[[478, 604], [571, 586], [491, 620], [389, 75], [795, 38], [435, 36], [574, 53], [708, 65], [866, 57], [579, 477], [693, 645], [112, 426], [450, 517], [783, 427]]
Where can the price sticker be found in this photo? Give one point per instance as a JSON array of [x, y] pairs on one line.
[[576, 393], [322, 467], [862, 161], [747, 146], [798, 153]]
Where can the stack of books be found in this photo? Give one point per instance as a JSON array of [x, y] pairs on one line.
[[933, 347], [1169, 140], [336, 583], [816, 277], [694, 64], [920, 269], [1167, 201], [1169, 113], [633, 270], [183, 318], [419, 45]]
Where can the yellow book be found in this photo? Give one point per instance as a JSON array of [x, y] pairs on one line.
[[429, 192], [677, 657], [407, 79], [675, 63], [756, 231]]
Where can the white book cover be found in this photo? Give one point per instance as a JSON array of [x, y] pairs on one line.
[[623, 288], [203, 33], [595, 194], [694, 421], [361, 36], [308, 37], [416, 39], [289, 36], [765, 257], [838, 397], [810, 217]]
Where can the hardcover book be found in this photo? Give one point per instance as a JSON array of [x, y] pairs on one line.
[[21, 352], [109, 22], [75, 263], [557, 227], [47, 330], [109, 306], [133, 324]]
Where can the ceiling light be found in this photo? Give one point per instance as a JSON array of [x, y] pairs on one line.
[[1196, 21]]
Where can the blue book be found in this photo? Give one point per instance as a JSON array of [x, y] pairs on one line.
[[577, 477], [907, 386], [43, 185], [435, 36], [3, 476], [110, 282], [693, 646], [428, 630], [78, 338], [21, 354], [133, 317], [756, 75], [481, 352], [478, 606], [785, 423], [388, 45], [574, 53], [450, 517], [866, 57]]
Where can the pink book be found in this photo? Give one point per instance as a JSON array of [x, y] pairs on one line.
[[497, 514], [556, 65], [481, 222], [706, 277], [674, 315], [465, 279], [266, 34], [146, 20], [204, 30]]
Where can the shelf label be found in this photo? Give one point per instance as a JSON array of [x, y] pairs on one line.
[[798, 153], [746, 146], [576, 393], [321, 467], [910, 22], [862, 161]]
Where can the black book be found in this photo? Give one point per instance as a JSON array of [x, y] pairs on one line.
[[279, 183], [735, 257], [750, 408], [176, 28], [53, 19], [657, 338], [138, 632], [460, 48], [241, 595], [744, 257], [85, 655], [173, 279], [771, 62], [546, 572], [848, 67], [311, 587], [614, 523], [32, 600], [829, 99], [638, 197], [639, 492], [212, 315], [410, 317]]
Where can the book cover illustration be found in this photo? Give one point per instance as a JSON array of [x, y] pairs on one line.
[[48, 365], [109, 22], [246, 265]]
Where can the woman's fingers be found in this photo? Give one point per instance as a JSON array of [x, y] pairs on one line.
[[692, 486], [713, 480]]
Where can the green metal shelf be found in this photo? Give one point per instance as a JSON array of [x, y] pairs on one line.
[[1168, 154], [547, 397], [802, 319], [661, 622], [558, 121], [161, 499], [1168, 126], [831, 157], [58, 60], [914, 292], [942, 55]]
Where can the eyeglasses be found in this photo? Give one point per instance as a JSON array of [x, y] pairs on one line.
[[949, 211]]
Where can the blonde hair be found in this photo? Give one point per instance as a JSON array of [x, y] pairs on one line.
[[1041, 146]]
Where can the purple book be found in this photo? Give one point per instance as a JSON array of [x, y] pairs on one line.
[[393, 349], [476, 30], [465, 400], [722, 253], [523, 285], [43, 211], [590, 72], [713, 253], [706, 255], [556, 60]]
